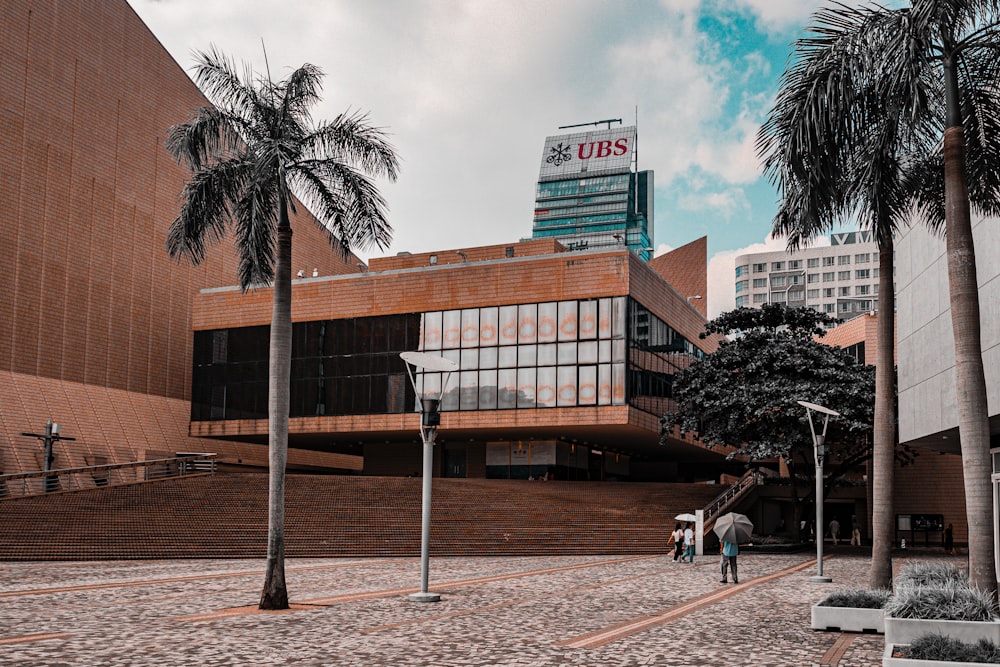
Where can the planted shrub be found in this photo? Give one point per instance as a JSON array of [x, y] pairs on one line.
[[941, 647], [951, 602], [930, 574], [860, 598]]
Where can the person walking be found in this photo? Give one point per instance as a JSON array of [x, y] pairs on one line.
[[678, 537], [688, 543], [835, 530], [856, 537], [730, 550]]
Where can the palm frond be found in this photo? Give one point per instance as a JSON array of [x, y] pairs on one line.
[[349, 137]]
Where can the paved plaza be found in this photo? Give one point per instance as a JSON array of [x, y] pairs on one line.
[[581, 611]]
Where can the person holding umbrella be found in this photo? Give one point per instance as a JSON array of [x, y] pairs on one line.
[[732, 529], [678, 537]]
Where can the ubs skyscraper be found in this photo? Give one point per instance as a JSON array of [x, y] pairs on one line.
[[589, 194]]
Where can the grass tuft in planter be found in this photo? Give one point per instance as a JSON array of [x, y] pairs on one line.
[[857, 598], [952, 601], [930, 574], [940, 647]]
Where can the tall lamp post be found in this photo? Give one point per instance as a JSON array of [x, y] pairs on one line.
[[430, 419], [49, 438], [819, 449]]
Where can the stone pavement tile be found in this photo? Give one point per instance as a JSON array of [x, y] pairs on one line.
[[483, 619]]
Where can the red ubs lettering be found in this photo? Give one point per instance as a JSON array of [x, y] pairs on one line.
[[604, 149]]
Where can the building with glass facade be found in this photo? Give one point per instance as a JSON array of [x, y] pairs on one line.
[[589, 194], [840, 280], [565, 363]]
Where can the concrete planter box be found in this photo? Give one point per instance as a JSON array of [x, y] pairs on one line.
[[905, 630], [847, 619], [889, 661]]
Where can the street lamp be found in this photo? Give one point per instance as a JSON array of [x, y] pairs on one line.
[[430, 419], [819, 450], [49, 438]]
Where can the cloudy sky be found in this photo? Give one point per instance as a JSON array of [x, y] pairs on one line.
[[469, 89]]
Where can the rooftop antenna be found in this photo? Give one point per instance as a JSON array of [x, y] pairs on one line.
[[596, 122]]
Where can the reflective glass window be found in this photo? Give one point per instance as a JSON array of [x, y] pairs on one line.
[[618, 350], [587, 393], [568, 324], [618, 384], [604, 351], [588, 319], [508, 325], [489, 326], [526, 389], [470, 327], [469, 390], [451, 329], [470, 360], [449, 400], [547, 355], [587, 352], [604, 384], [487, 390], [566, 354], [527, 355], [508, 357], [566, 383], [548, 319], [527, 323], [604, 319], [506, 388], [545, 395], [488, 357], [618, 317], [430, 332]]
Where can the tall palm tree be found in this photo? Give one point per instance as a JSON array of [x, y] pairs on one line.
[[885, 90], [251, 155]]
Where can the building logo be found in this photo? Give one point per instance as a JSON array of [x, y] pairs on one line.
[[852, 237], [560, 154]]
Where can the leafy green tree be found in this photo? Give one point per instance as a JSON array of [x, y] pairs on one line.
[[883, 110], [745, 393], [251, 155]]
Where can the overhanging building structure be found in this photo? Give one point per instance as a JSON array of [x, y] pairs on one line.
[[590, 195]]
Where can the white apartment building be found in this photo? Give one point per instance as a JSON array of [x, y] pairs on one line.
[[840, 280]]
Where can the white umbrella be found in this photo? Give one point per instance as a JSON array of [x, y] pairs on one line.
[[687, 516], [733, 527]]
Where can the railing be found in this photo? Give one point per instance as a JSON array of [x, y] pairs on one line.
[[114, 474], [724, 500]]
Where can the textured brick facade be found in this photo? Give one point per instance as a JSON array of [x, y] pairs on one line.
[[686, 269], [88, 295]]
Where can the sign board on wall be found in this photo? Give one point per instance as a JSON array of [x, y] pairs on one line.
[[581, 153]]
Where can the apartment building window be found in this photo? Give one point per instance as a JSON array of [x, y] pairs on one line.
[[812, 294], [742, 270], [829, 292], [777, 281], [812, 262], [862, 274], [759, 283], [812, 278], [843, 260], [845, 291], [861, 290], [844, 275], [759, 298], [828, 261], [874, 273], [863, 258], [845, 306], [760, 268], [794, 264], [741, 301], [742, 285], [777, 266], [875, 288], [777, 297], [794, 280], [829, 307], [829, 276]]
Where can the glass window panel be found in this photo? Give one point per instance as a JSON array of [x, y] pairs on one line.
[[506, 388], [429, 385], [487, 390], [527, 323], [527, 355], [566, 381], [548, 318], [451, 329], [604, 384], [604, 319], [508, 325], [618, 384], [587, 394], [470, 327], [508, 357], [588, 319], [604, 351], [587, 352], [469, 390], [568, 325], [526, 387], [453, 355], [567, 354], [488, 357], [618, 350], [547, 355], [470, 360], [489, 326], [618, 317], [545, 396], [449, 400]]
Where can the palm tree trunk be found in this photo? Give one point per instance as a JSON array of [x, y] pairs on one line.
[[970, 378], [275, 593], [884, 444]]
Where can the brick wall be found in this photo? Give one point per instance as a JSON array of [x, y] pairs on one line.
[[686, 269]]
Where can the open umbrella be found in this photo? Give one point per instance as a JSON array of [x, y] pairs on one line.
[[687, 516], [733, 527]]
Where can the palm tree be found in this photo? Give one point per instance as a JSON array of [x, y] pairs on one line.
[[251, 155], [861, 125]]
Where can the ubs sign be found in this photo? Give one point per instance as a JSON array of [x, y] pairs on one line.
[[851, 237], [603, 151]]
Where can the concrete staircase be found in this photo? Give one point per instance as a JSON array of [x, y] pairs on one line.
[[225, 516]]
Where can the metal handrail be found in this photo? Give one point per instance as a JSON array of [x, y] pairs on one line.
[[40, 482], [744, 485]]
